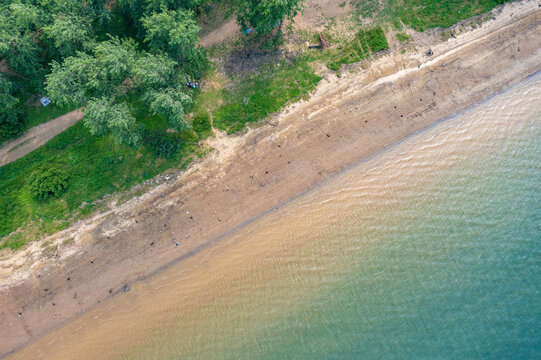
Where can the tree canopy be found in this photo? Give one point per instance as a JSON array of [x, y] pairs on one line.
[[175, 32], [101, 55], [265, 15]]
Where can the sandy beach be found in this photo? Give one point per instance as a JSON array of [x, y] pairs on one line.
[[346, 120]]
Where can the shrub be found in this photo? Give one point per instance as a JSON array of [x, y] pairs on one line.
[[201, 125], [48, 181], [160, 144], [11, 125], [376, 39]]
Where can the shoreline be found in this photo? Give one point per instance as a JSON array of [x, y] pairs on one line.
[[277, 250], [247, 175]]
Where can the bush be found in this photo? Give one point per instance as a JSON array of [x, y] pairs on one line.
[[48, 181], [376, 39], [160, 144], [201, 125], [11, 125]]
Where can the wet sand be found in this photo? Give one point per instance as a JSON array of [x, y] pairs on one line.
[[345, 121]]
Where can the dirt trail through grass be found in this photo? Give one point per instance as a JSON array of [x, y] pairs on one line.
[[37, 136]]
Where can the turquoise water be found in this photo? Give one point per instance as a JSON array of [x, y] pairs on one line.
[[430, 250], [442, 259], [454, 269]]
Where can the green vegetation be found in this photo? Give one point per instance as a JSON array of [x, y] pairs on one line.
[[423, 14], [258, 96], [96, 165], [363, 44], [265, 16], [36, 115], [126, 63], [403, 37], [201, 124], [47, 181]]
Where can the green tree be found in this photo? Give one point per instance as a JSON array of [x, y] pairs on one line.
[[264, 15], [175, 32], [154, 71], [68, 33], [10, 122], [85, 76], [156, 5], [102, 117], [19, 36], [170, 103]]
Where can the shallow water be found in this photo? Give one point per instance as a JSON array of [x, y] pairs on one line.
[[431, 249]]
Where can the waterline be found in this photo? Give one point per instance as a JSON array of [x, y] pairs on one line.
[[428, 250]]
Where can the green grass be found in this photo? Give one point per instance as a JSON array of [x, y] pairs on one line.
[[265, 93], [201, 124], [37, 114], [403, 37], [423, 14], [363, 44], [97, 166]]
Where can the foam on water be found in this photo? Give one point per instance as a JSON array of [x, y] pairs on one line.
[[428, 250]]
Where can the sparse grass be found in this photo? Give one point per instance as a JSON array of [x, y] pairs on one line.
[[362, 46], [403, 37], [423, 14], [255, 97]]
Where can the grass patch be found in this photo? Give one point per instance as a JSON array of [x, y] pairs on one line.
[[36, 115], [201, 124], [403, 37], [255, 97], [97, 166], [423, 14], [362, 46]]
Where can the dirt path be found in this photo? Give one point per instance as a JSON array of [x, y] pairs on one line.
[[37, 136], [345, 121], [316, 14]]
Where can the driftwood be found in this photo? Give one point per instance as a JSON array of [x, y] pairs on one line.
[[323, 44]]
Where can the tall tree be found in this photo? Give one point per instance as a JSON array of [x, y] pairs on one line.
[[68, 33], [102, 116], [175, 32], [85, 76], [170, 103], [10, 122], [98, 82], [19, 35], [265, 15]]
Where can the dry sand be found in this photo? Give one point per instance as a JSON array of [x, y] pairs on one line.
[[345, 121]]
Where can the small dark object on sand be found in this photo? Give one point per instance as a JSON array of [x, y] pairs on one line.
[[429, 52], [126, 288]]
